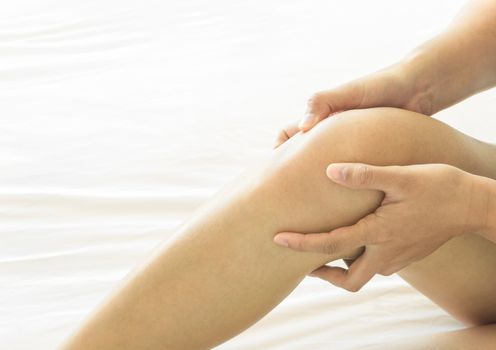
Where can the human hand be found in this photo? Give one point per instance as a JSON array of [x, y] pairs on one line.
[[395, 86], [423, 207]]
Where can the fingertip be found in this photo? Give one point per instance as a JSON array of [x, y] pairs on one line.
[[284, 238], [332, 274], [281, 240], [336, 172], [317, 272], [307, 122], [280, 138], [329, 168], [283, 234], [304, 127]]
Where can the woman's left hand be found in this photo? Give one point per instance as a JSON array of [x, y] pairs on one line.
[[423, 207]]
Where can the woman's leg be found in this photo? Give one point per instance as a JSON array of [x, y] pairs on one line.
[[479, 337], [222, 272]]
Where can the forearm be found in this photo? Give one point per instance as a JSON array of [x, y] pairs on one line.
[[459, 62]]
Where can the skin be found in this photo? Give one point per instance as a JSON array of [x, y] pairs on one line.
[[222, 272], [427, 81], [480, 338], [454, 65], [424, 206]]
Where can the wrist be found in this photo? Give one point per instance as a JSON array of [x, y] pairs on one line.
[[449, 68], [417, 77]]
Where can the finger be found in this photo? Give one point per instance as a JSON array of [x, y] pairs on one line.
[[359, 273], [322, 104], [285, 134], [365, 176], [352, 279], [339, 241], [332, 274]]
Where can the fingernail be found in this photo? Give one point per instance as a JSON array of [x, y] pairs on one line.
[[281, 241], [308, 120], [337, 172]]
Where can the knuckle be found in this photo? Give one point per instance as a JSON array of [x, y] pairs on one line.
[[297, 244], [456, 175], [363, 174], [443, 169], [330, 248], [364, 227], [315, 99]]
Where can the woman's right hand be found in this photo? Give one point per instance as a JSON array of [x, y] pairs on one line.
[[395, 86]]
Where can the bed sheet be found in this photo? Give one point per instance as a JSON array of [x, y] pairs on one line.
[[119, 118]]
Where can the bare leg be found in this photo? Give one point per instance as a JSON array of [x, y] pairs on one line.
[[222, 272], [480, 338]]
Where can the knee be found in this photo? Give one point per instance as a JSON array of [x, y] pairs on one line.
[[298, 167], [380, 136]]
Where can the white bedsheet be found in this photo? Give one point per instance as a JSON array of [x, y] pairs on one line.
[[118, 118]]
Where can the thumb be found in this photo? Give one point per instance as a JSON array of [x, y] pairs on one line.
[[365, 176], [324, 103]]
